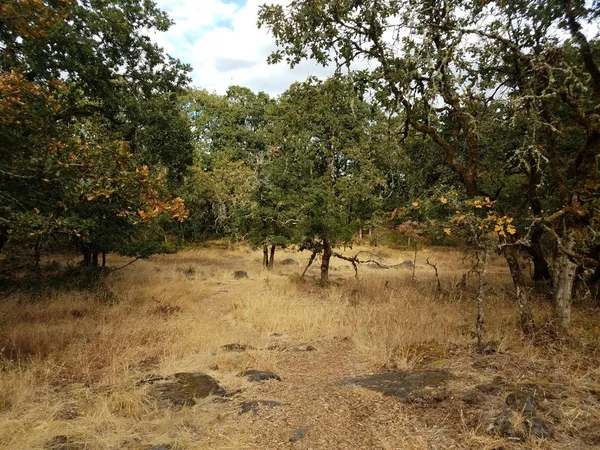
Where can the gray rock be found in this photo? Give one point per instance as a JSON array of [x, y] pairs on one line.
[[239, 274], [504, 426], [289, 262], [254, 405], [185, 388], [521, 402], [539, 428], [376, 266], [299, 434], [62, 443], [473, 398], [414, 387], [259, 375], [160, 447], [236, 347], [406, 264]]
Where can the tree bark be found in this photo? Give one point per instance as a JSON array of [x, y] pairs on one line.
[[541, 270], [516, 271], [325, 258], [563, 278], [481, 298], [3, 238], [310, 261], [272, 257], [266, 256], [103, 259]]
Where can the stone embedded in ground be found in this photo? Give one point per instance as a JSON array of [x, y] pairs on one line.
[[236, 347], [414, 387], [299, 434], [289, 262], [473, 398], [503, 425], [160, 447], [62, 443], [254, 405], [185, 388], [376, 266], [521, 401], [304, 348], [406, 264], [538, 428], [239, 274], [259, 375], [151, 379]]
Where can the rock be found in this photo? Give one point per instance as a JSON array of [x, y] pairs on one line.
[[521, 402], [289, 262], [185, 388], [538, 428], [491, 388], [236, 347], [299, 434], [254, 405], [504, 426], [283, 348], [473, 398], [259, 375], [239, 274], [414, 387], [151, 379], [304, 348], [160, 447], [62, 443], [406, 264]]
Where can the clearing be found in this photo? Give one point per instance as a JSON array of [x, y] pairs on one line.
[[96, 369]]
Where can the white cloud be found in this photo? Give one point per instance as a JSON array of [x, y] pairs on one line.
[[224, 46]]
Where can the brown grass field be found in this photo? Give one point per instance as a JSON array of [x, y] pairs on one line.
[[71, 361]]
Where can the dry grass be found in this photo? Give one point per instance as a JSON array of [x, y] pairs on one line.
[[71, 361]]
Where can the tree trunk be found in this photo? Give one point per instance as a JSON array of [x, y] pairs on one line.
[[541, 270], [563, 278], [360, 234], [266, 256], [90, 257], [310, 261], [516, 271], [3, 238], [414, 267], [272, 257], [325, 258], [481, 298], [103, 259]]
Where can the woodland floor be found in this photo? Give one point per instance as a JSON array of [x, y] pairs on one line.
[[72, 360]]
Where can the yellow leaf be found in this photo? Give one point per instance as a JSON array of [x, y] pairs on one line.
[[415, 204], [448, 231], [443, 199], [511, 229]]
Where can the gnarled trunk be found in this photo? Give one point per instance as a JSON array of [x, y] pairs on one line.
[[516, 271], [325, 258]]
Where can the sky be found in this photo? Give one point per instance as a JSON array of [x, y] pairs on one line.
[[222, 43]]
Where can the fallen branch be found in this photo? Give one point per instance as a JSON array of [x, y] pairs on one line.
[[354, 261], [122, 267]]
